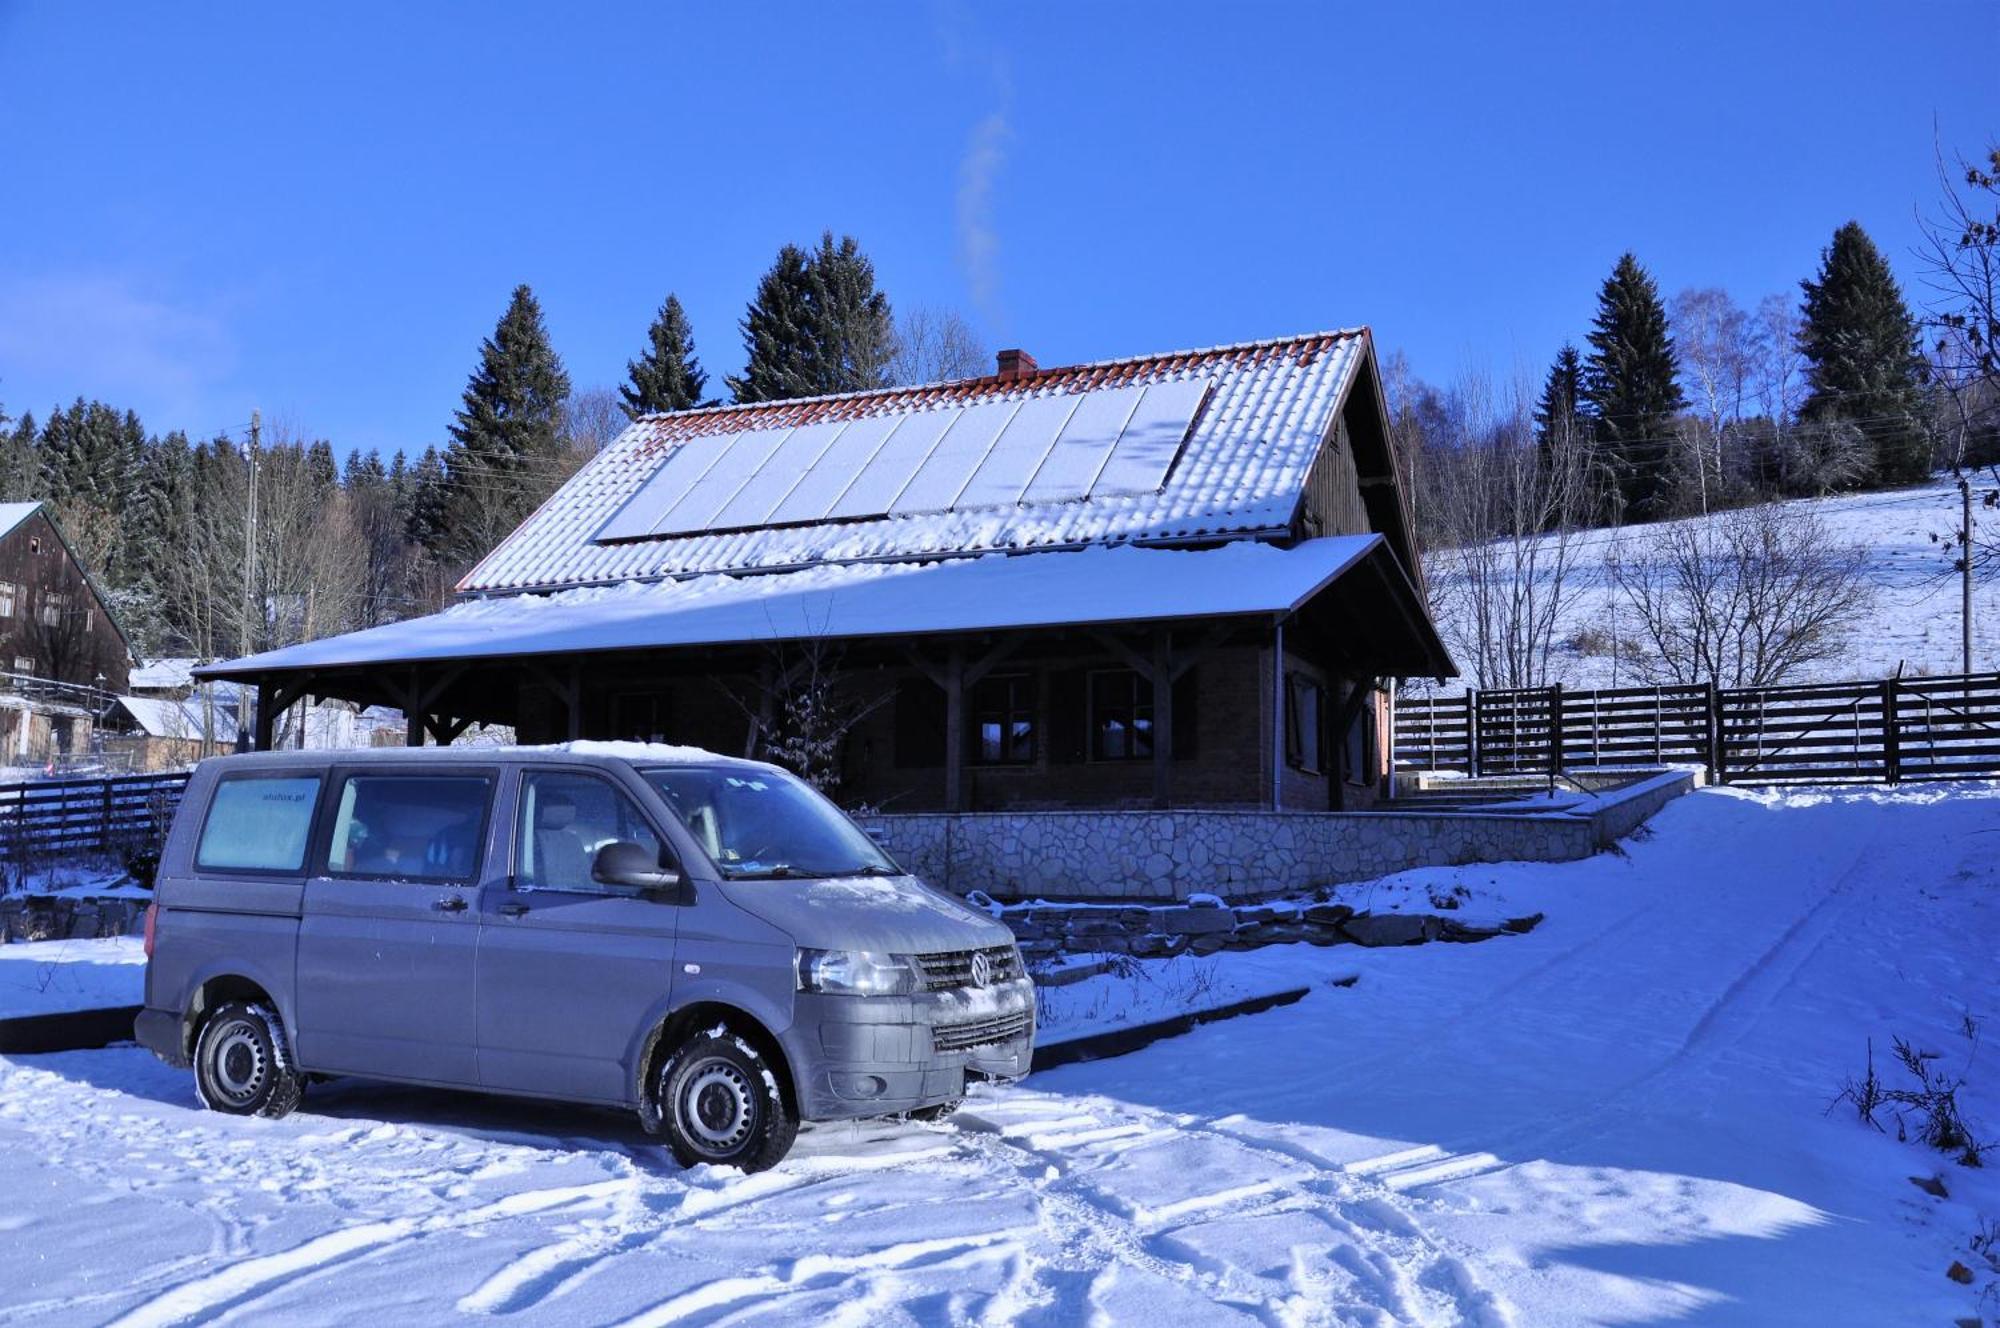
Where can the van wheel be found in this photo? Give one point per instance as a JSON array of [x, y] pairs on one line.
[[720, 1103], [937, 1111], [242, 1065]]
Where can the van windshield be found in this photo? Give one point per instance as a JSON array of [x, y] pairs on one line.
[[763, 825]]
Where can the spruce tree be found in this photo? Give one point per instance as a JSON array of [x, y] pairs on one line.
[[667, 376], [1559, 413], [428, 522], [1631, 383], [817, 325], [778, 333], [507, 434], [1863, 364], [857, 331], [20, 462]]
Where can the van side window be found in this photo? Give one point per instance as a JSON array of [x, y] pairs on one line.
[[409, 827], [565, 818], [258, 823]]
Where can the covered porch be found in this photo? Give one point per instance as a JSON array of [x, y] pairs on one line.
[[1244, 675]]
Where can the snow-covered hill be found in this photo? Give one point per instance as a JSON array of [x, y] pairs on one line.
[[1914, 621]]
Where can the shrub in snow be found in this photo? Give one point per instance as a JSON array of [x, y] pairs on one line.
[[1930, 1109]]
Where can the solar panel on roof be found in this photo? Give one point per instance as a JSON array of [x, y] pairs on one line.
[[887, 472], [823, 480], [1146, 447], [1057, 448], [1017, 453], [683, 465], [777, 476], [734, 468], [1085, 441], [944, 473]]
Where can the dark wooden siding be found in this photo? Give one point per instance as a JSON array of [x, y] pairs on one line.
[[56, 619], [1332, 504]]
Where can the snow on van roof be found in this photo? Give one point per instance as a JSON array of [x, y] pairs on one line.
[[651, 753]]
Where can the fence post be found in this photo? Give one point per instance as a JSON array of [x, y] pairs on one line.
[[1892, 737], [1472, 754], [1713, 710], [104, 831], [1555, 729]]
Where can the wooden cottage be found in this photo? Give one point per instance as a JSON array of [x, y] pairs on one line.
[[1181, 580]]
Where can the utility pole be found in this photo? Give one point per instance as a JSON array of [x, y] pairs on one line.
[[247, 640]]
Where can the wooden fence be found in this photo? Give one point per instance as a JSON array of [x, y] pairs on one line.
[[57, 816], [1887, 731]]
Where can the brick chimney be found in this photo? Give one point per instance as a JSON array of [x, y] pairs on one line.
[[1014, 364]]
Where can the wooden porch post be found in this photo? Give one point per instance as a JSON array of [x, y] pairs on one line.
[[954, 730], [1278, 715], [413, 714], [262, 741], [1163, 719]]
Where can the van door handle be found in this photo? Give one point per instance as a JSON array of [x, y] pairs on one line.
[[450, 904], [511, 910]]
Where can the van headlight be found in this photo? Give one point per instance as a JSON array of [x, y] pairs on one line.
[[856, 973]]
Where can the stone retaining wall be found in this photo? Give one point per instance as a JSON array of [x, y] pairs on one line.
[[1240, 854]]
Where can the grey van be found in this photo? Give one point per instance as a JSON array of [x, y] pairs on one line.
[[704, 940]]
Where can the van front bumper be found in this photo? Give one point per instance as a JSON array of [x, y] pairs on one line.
[[879, 1055]]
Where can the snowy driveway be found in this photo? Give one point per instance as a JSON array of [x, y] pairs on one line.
[[1618, 1118]]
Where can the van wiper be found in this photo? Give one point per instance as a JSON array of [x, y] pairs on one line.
[[872, 869], [784, 871]]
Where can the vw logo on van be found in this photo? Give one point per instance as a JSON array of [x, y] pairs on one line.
[[981, 969]]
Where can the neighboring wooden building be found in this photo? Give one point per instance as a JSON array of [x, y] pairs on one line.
[[62, 652], [1175, 580]]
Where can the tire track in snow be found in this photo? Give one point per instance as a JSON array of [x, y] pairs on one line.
[[1413, 1276], [206, 1297]]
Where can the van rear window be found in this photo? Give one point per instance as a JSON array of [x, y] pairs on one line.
[[258, 823]]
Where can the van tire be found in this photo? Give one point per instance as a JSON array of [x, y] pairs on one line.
[[720, 1104], [243, 1065]]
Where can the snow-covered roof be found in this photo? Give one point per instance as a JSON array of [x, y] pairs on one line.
[[983, 593], [159, 717], [164, 675], [777, 481]]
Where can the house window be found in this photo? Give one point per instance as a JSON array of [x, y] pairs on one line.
[[7, 592], [24, 664], [1304, 703], [1360, 747], [1003, 719], [34, 544], [1121, 716], [52, 608]]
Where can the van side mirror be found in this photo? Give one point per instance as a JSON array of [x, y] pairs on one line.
[[622, 862]]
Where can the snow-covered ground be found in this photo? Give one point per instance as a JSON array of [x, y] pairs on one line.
[[1621, 1117], [50, 977], [1915, 621]]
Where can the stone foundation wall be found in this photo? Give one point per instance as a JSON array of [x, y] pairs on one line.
[[1237, 854]]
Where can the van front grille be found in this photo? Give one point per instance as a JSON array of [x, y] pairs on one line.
[[949, 970], [980, 1032]]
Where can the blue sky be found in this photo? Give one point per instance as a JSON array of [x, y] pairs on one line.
[[321, 213]]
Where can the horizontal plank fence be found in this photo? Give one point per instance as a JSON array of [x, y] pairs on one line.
[[1887, 731], [52, 817]]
